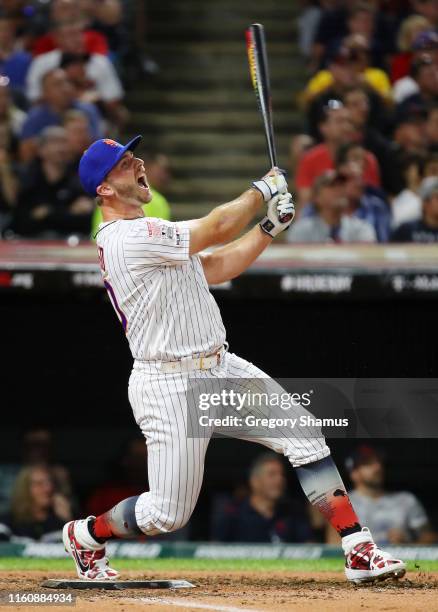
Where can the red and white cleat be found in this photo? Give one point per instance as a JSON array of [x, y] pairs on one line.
[[365, 562], [88, 555]]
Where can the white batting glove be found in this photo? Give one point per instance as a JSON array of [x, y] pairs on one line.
[[281, 213], [271, 185]]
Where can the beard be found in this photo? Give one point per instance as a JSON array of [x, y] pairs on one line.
[[129, 192]]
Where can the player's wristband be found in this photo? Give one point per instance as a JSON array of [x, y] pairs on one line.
[[268, 227], [265, 189]]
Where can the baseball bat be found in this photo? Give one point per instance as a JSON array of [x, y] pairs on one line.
[[259, 72]]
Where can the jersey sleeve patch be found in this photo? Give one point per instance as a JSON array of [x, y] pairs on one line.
[[155, 242]]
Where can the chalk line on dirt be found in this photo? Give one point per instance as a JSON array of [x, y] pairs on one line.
[[187, 603]]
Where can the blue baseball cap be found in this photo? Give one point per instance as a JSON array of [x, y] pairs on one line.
[[99, 159]]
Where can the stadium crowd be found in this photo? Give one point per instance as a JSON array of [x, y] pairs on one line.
[[60, 89], [366, 169]]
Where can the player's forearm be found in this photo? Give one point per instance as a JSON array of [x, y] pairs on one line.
[[231, 219], [225, 222], [229, 261]]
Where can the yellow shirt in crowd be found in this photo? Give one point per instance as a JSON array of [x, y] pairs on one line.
[[374, 77]]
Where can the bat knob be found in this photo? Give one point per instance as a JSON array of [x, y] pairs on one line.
[[285, 218]]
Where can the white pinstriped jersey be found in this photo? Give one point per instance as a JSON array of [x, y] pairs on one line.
[[158, 290]]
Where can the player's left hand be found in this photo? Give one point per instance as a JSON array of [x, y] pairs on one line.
[[280, 214], [271, 184]]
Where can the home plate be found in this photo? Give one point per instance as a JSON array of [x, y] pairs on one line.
[[116, 585]]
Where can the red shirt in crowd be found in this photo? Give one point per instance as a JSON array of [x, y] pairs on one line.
[[318, 160], [400, 66], [94, 42]]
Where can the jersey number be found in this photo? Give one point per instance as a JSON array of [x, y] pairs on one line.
[[121, 315]]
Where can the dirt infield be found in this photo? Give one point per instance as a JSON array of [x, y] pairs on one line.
[[243, 592]]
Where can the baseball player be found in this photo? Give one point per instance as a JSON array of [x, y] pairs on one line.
[[157, 275]]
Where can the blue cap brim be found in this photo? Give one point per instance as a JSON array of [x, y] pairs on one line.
[[131, 146]]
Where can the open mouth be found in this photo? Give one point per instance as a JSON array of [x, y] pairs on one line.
[[141, 181]]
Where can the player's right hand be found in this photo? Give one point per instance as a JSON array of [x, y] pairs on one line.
[[271, 184], [280, 207]]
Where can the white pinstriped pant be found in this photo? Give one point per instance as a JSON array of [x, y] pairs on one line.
[[176, 460]]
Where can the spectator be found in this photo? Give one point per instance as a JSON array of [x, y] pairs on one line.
[[158, 176], [364, 202], [409, 139], [428, 9], [406, 206], [299, 144], [38, 450], [14, 62], [58, 98], [264, 516], [393, 517], [106, 16], [336, 129], [359, 18], [362, 21], [51, 203], [426, 44], [358, 47], [357, 103], [38, 511], [333, 82], [99, 70], [23, 14], [8, 183], [75, 66], [330, 221], [410, 28], [349, 65], [11, 121], [343, 76], [424, 229], [65, 12], [410, 135], [424, 71], [79, 135], [332, 26]]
